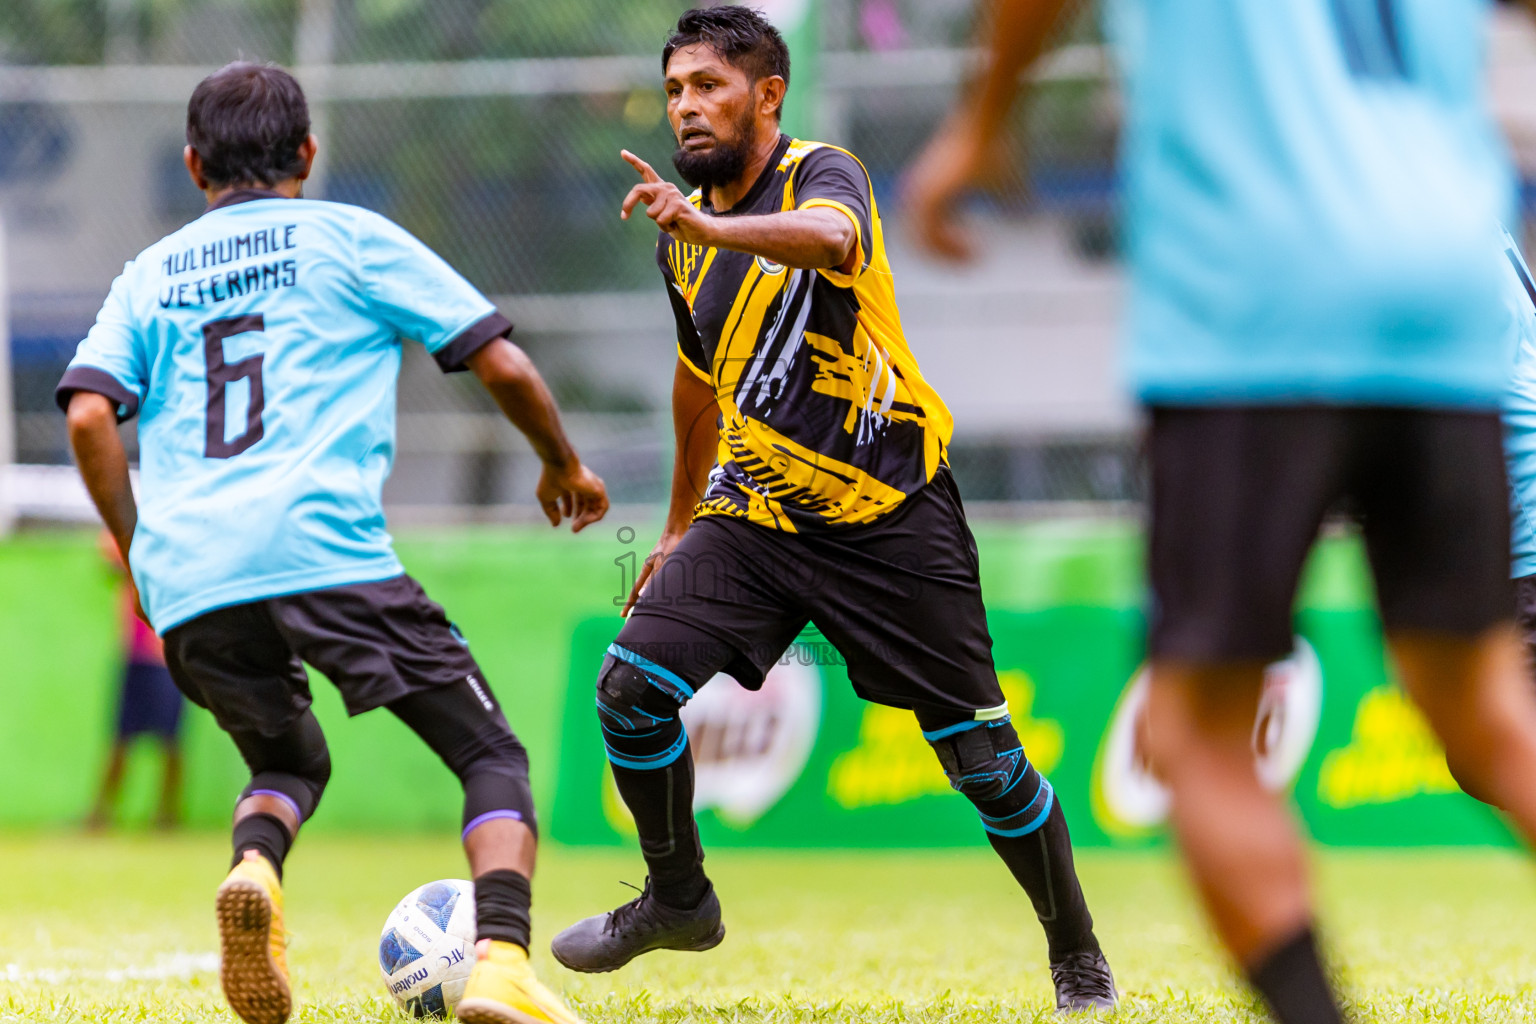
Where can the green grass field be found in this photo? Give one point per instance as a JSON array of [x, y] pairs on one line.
[[117, 930]]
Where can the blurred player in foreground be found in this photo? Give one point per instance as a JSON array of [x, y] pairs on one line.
[[260, 346], [148, 704], [831, 503], [1520, 440], [1315, 321]]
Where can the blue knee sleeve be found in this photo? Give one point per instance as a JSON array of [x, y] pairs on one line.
[[638, 703], [986, 762]]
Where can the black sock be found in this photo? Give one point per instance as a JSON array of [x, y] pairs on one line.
[[1292, 982], [661, 799], [1042, 863], [502, 899], [265, 834]]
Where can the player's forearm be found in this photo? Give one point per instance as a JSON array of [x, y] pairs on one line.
[[103, 463], [513, 381], [1020, 29], [814, 239], [695, 422]]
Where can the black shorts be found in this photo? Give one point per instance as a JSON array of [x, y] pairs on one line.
[[1238, 495], [899, 599], [377, 642]]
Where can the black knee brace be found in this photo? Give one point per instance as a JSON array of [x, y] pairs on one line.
[[638, 704], [496, 786], [300, 792], [293, 767], [986, 762]]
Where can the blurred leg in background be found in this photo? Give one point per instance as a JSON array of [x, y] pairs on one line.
[[149, 705], [1238, 496]]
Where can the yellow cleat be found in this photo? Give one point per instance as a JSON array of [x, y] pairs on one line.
[[503, 990], [253, 964]]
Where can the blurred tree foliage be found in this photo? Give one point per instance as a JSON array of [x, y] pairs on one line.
[[524, 190], [52, 31], [461, 29], [75, 31], [522, 193]]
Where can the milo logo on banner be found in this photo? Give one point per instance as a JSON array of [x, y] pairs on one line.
[[1127, 798], [749, 746]]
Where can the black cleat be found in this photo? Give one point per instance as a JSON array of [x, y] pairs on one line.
[[607, 942], [1083, 982]]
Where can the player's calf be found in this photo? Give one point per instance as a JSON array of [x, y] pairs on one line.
[[464, 725], [289, 773], [986, 762], [638, 703]]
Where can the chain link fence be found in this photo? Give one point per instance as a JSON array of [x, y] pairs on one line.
[[491, 129]]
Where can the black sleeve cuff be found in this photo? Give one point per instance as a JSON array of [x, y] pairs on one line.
[[450, 358], [88, 378]]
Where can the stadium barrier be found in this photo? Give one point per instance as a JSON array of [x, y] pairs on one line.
[[800, 763]]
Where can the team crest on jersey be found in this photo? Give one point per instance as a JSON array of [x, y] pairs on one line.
[[769, 267]]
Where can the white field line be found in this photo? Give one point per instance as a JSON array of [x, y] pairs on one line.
[[174, 966]]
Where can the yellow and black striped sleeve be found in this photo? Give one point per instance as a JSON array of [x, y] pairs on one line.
[[690, 347], [829, 177]]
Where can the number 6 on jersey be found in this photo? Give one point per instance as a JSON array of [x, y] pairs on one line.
[[221, 375]]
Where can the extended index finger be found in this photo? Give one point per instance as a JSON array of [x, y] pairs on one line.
[[646, 172], [643, 193]]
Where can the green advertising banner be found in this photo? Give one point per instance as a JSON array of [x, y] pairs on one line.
[[804, 763]]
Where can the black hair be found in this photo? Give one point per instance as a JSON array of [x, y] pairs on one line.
[[740, 35], [247, 122]]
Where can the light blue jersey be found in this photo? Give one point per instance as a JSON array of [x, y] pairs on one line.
[[1520, 407], [259, 347], [1309, 185]]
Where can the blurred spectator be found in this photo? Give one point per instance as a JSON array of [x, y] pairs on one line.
[[881, 26], [148, 705]]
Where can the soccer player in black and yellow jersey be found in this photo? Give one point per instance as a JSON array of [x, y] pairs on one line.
[[810, 486]]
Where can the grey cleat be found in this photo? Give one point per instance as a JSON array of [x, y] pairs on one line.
[[1083, 982], [607, 942]]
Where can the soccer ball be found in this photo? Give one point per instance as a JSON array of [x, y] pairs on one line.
[[428, 947]]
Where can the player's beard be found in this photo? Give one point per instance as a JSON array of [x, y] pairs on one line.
[[722, 163]]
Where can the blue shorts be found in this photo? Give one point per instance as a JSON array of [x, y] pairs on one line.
[[150, 704]]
